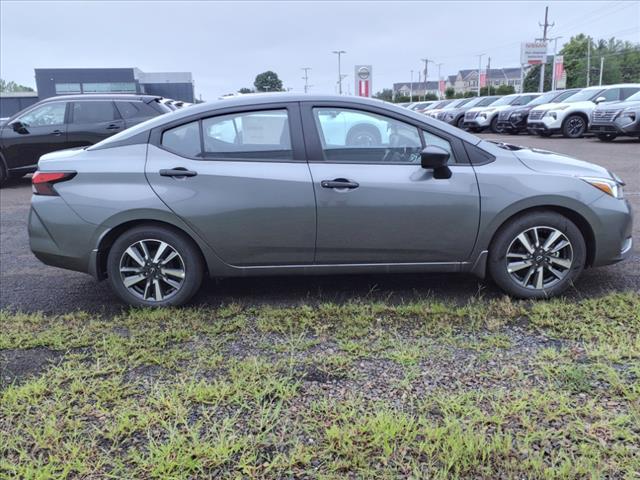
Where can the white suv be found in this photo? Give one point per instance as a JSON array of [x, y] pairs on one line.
[[480, 118], [571, 117]]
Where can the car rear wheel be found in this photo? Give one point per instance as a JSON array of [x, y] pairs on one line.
[[607, 137], [574, 126], [537, 255], [154, 266]]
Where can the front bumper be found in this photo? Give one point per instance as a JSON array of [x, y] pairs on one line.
[[620, 126], [513, 126], [545, 124], [613, 230]]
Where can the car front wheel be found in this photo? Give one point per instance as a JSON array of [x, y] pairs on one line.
[[607, 137], [574, 126], [537, 255], [154, 266]]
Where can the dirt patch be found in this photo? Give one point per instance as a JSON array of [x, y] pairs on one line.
[[17, 365]]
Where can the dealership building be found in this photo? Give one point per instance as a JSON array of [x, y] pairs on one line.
[[66, 81]]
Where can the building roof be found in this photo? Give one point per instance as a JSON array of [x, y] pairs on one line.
[[452, 79]]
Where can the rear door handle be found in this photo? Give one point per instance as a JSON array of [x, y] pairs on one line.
[[57, 133], [113, 126], [177, 172], [339, 183]]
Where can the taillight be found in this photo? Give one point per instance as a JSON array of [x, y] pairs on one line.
[[42, 182]]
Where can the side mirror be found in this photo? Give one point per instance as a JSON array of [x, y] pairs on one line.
[[600, 100], [435, 158], [19, 127]]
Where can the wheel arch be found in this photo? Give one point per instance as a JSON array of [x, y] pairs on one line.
[[108, 238], [578, 219]]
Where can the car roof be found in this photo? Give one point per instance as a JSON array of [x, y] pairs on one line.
[[277, 98], [101, 96]]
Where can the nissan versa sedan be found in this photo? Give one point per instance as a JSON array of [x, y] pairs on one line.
[[279, 184]]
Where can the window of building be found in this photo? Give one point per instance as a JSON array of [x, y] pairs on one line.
[[93, 112], [183, 140], [252, 135], [66, 88], [48, 114], [110, 87], [357, 136]]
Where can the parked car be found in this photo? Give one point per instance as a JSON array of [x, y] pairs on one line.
[[435, 105], [514, 119], [420, 106], [262, 186], [69, 121], [478, 120], [571, 117], [455, 115], [433, 113], [609, 121]]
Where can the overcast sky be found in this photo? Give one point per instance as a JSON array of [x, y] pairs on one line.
[[225, 44]]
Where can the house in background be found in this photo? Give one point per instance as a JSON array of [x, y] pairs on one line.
[[420, 89]]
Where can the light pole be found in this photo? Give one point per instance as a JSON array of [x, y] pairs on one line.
[[439, 92], [411, 88], [306, 78], [339, 53]]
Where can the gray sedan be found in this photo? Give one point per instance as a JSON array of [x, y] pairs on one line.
[[301, 184]]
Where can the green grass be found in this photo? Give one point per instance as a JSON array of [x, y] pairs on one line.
[[361, 390]]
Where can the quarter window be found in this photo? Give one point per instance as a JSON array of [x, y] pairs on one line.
[[50, 114], [356, 136], [136, 110], [93, 112], [252, 135], [183, 140]]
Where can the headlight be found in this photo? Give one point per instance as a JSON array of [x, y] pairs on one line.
[[630, 114], [607, 185], [551, 114], [516, 115]]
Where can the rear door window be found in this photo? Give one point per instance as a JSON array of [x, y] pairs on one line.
[[184, 140], [93, 112], [130, 110]]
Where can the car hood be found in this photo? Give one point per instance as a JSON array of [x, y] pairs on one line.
[[549, 162], [499, 108]]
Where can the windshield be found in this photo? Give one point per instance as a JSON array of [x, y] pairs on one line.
[[564, 95], [583, 96], [634, 98], [487, 101], [546, 98], [508, 100]]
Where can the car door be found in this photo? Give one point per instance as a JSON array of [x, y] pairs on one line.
[[91, 121], [38, 131], [240, 179], [375, 203]]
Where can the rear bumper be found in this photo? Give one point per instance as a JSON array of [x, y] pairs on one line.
[[57, 236]]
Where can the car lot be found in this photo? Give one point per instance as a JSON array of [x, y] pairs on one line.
[[28, 285]]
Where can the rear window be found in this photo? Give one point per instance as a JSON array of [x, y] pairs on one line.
[[136, 110], [184, 140], [93, 112]]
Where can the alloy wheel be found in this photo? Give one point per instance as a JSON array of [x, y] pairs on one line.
[[539, 258], [152, 270], [575, 126]]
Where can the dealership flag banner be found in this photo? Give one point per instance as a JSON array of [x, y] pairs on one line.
[[363, 77], [483, 78], [558, 65], [442, 86]]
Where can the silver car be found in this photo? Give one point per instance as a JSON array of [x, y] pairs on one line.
[[280, 184]]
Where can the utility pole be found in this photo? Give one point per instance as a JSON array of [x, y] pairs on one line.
[[426, 66], [306, 78], [601, 69], [339, 53], [439, 92], [553, 71], [488, 76], [411, 88], [544, 40], [588, 61], [419, 73], [479, 68]]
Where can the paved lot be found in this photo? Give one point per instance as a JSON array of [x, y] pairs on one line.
[[28, 285]]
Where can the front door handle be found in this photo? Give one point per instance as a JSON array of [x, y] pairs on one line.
[[339, 183], [113, 126], [177, 172], [57, 133]]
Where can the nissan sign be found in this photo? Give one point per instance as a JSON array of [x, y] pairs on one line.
[[363, 80], [533, 53]]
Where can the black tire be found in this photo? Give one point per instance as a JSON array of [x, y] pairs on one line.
[[188, 254], [545, 134], [574, 126], [3, 175], [607, 137], [506, 237], [460, 122], [494, 126], [363, 135]]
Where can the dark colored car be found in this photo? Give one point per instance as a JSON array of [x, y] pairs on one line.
[[514, 120], [617, 119], [69, 121]]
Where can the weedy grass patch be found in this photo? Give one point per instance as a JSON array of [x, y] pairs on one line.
[[491, 389]]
